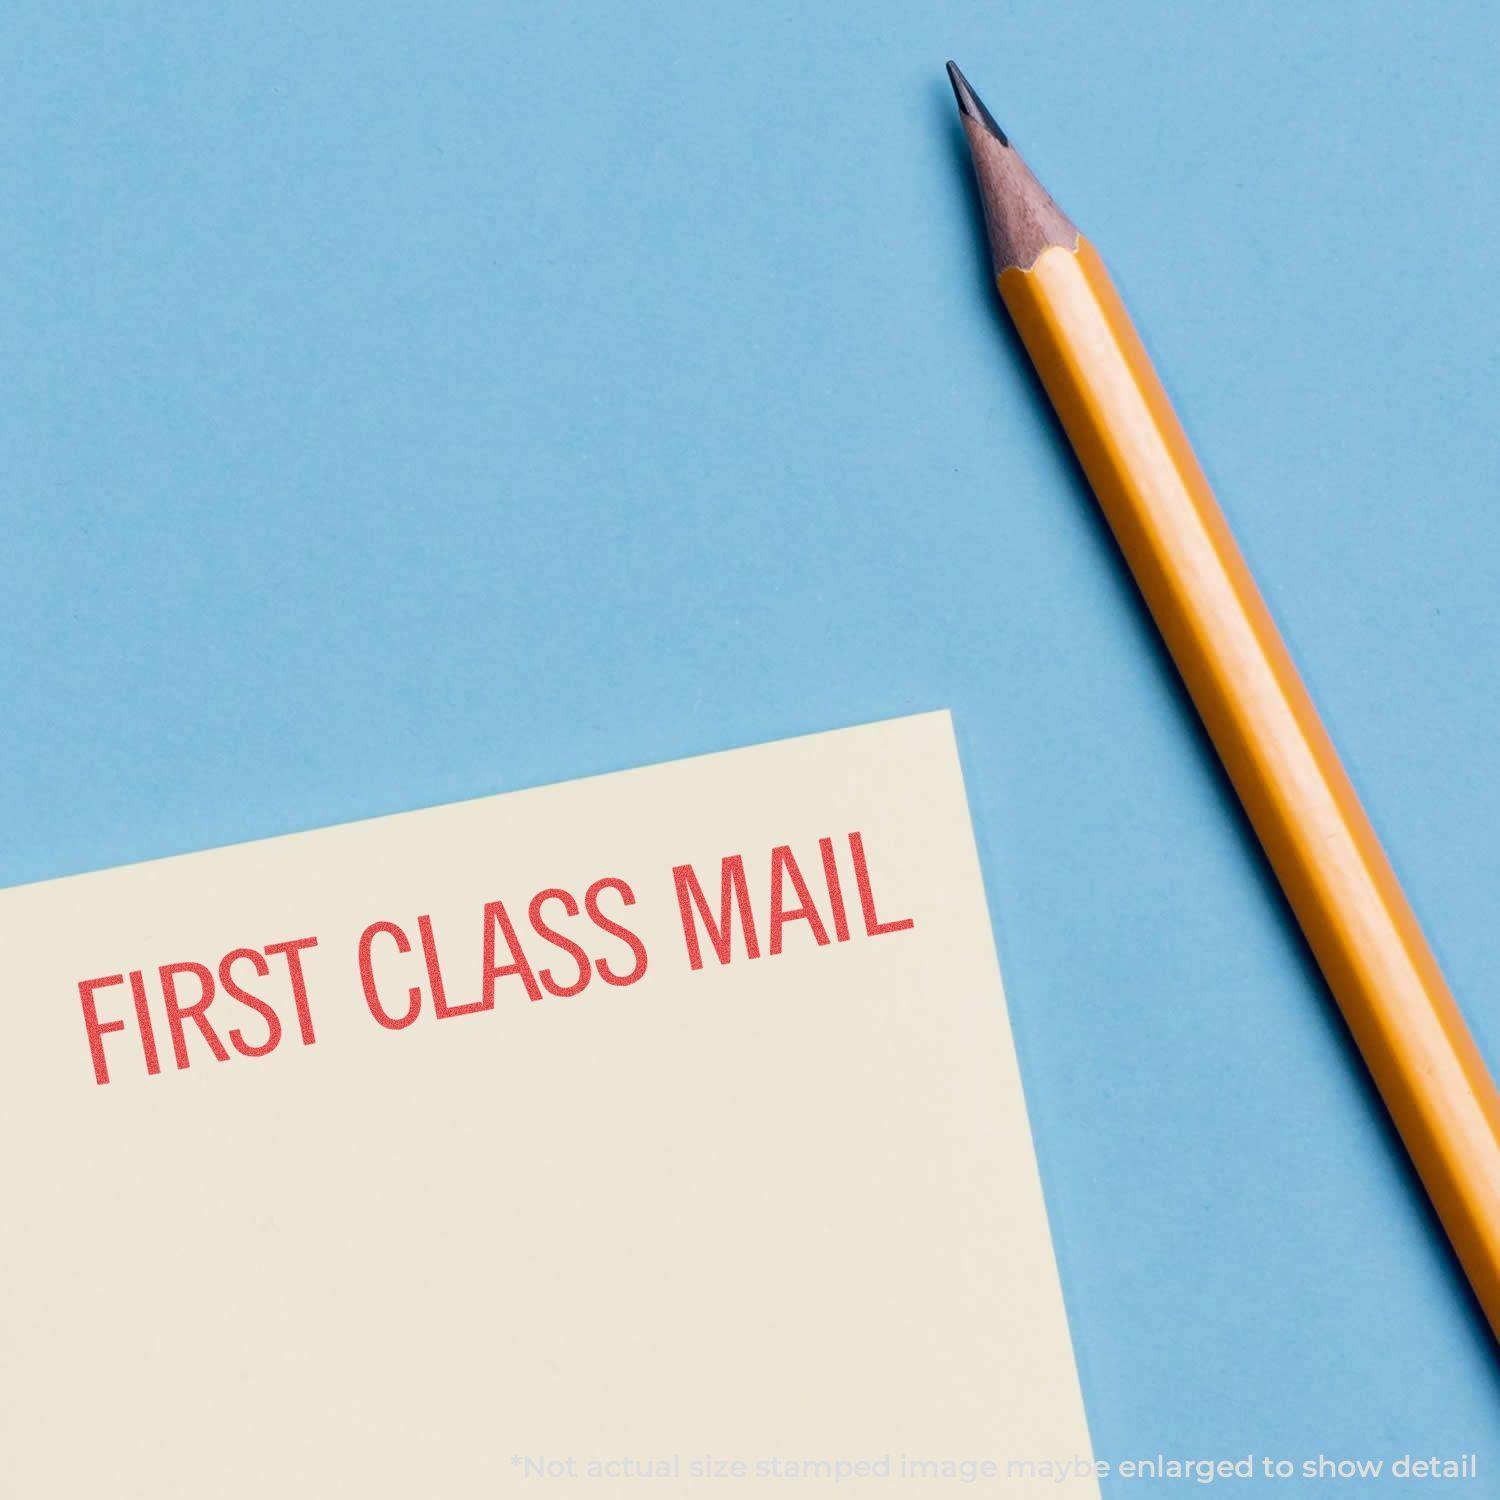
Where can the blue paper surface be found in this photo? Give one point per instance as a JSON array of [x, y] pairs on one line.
[[411, 402]]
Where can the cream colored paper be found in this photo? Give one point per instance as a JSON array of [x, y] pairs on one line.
[[747, 1221]]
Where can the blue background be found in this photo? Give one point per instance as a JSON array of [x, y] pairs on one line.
[[410, 402]]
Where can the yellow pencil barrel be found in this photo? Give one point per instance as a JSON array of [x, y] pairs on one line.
[[1278, 755]]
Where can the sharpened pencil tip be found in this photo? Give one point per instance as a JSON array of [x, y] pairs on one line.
[[970, 104], [1019, 216]]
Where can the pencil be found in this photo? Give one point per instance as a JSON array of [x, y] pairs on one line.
[[1258, 713]]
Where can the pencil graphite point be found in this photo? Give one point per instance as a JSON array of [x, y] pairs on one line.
[[1021, 218], [971, 105]]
